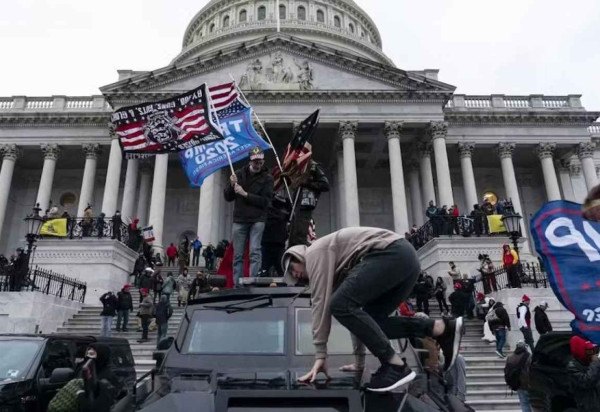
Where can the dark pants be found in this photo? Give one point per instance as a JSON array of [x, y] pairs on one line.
[[209, 263], [441, 299], [528, 337], [500, 339], [299, 227], [271, 258], [196, 257], [171, 261], [145, 323], [122, 314], [373, 290], [489, 283], [423, 304], [512, 273]]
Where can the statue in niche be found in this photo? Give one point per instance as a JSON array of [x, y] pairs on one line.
[[278, 73], [305, 75]]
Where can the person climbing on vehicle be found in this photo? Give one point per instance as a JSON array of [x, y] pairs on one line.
[[359, 275]]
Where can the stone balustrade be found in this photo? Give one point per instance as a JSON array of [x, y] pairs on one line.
[[500, 101], [594, 129], [54, 103]]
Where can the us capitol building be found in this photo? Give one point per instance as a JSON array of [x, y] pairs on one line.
[[390, 139]]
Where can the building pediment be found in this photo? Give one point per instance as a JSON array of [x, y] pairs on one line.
[[279, 64]]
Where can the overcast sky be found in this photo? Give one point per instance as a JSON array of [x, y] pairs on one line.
[[550, 47]]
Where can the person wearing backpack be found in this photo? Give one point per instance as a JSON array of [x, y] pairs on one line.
[[524, 319], [499, 323], [516, 374]]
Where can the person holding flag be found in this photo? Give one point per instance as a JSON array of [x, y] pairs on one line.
[[251, 188]]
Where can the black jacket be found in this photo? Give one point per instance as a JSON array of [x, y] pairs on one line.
[[458, 302], [502, 314], [124, 301], [163, 312], [259, 186], [146, 281], [276, 225], [109, 304], [585, 384], [542, 323], [316, 184], [199, 285]]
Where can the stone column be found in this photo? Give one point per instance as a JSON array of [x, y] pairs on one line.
[[416, 199], [157, 204], [564, 174], [208, 210], [348, 134], [426, 174], [113, 178], [341, 192], [505, 152], [131, 178], [585, 151], [392, 131], [51, 152], [438, 132], [9, 153], [86, 195], [466, 154], [579, 186], [144, 193], [545, 151]]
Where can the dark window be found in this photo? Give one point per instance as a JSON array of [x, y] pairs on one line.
[[16, 358], [337, 22], [211, 28], [301, 13], [243, 16], [320, 16], [351, 26], [262, 13], [339, 342], [282, 13], [226, 21]]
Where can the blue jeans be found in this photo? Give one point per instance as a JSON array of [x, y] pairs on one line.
[[524, 400], [122, 315], [500, 339], [241, 232], [106, 326]]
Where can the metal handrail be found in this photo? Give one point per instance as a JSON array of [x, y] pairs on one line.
[[42, 280]]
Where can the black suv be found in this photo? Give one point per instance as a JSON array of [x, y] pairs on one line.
[[34, 367], [243, 350]]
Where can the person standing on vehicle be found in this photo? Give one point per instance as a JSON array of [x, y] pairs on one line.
[[499, 324], [524, 320], [251, 188], [584, 374], [146, 313], [163, 313], [196, 251], [359, 275], [183, 287], [109, 310], [440, 295], [510, 260], [516, 374], [125, 306], [542, 323]]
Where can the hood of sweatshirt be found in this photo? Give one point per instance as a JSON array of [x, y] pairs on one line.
[[299, 253]]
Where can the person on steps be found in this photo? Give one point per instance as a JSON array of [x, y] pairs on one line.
[[359, 275]]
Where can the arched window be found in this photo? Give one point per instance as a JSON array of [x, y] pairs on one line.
[[262, 13], [351, 27], [243, 16], [226, 21], [320, 16], [211, 28], [282, 12], [337, 22], [301, 13]]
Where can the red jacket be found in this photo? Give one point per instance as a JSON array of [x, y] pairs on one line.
[[171, 251], [455, 212], [406, 310]]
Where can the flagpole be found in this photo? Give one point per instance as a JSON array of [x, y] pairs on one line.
[[278, 16], [214, 110], [262, 127]]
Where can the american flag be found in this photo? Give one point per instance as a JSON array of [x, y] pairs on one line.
[[298, 153], [226, 100], [169, 125]]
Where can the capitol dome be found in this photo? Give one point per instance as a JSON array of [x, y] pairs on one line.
[[340, 24]]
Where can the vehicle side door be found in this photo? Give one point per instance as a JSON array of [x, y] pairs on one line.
[[57, 354]]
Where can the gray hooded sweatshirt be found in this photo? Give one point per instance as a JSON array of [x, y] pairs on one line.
[[328, 261]]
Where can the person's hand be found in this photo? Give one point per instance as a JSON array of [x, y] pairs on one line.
[[240, 190], [233, 179], [319, 366], [353, 367]]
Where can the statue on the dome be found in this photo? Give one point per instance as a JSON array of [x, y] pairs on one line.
[[305, 75]]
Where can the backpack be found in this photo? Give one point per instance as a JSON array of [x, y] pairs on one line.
[[513, 370], [491, 316]]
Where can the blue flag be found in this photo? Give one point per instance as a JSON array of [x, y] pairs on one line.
[[239, 137], [570, 248]]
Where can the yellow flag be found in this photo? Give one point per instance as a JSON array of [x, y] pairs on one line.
[[54, 227], [496, 224]]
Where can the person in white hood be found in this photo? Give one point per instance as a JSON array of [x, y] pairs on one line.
[[360, 275]]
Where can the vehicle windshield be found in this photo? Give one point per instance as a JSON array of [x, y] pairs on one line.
[[259, 331], [339, 342], [16, 357]]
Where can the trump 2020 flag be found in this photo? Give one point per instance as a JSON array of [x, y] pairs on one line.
[[235, 118], [570, 248], [169, 125]]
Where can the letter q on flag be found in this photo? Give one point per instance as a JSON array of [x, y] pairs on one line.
[[570, 248]]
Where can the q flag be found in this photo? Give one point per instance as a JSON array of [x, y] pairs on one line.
[[169, 125], [54, 227], [570, 248]]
